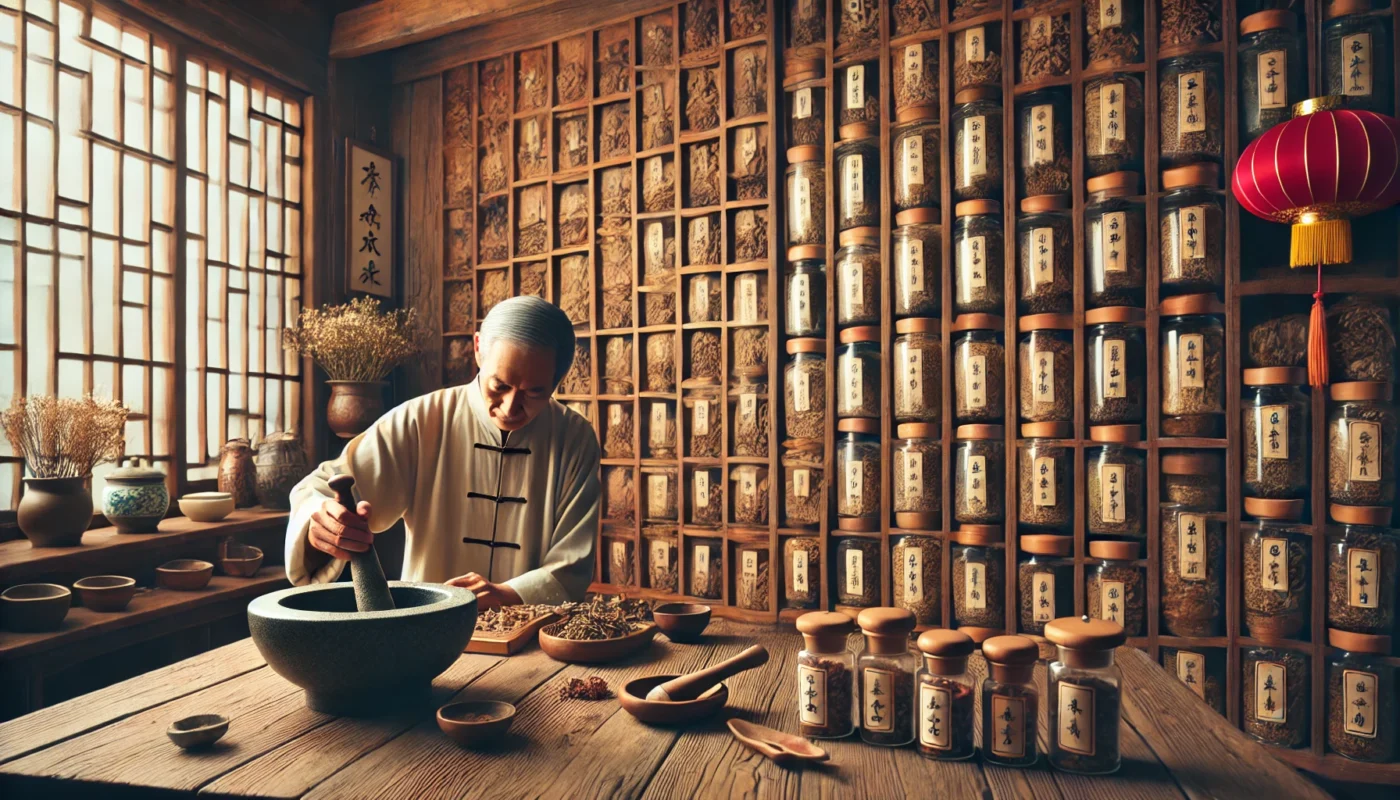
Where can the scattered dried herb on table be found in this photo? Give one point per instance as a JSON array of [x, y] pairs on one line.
[[1361, 341], [1103, 733], [1279, 342], [839, 696], [603, 617], [1192, 607], [593, 688], [1044, 48], [1293, 698]]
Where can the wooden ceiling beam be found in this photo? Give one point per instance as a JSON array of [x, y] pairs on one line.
[[388, 24]]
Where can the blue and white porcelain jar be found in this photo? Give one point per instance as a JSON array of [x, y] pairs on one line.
[[135, 499]]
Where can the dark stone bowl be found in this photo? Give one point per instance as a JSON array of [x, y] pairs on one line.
[[355, 664]]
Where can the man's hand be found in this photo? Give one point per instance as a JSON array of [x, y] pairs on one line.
[[339, 531], [488, 594]]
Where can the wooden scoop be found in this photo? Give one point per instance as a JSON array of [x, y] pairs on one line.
[[781, 748], [692, 685], [371, 590]]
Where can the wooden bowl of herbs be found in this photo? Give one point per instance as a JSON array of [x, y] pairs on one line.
[[599, 631]]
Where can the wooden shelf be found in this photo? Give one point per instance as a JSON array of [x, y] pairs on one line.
[[1338, 768]]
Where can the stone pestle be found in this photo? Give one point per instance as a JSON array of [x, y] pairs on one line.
[[371, 590]]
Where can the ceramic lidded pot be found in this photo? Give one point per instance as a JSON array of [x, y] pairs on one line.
[[237, 474], [135, 499], [281, 462]]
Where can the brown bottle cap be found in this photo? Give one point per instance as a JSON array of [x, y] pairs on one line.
[[800, 62], [1266, 508], [979, 634], [1342, 8], [918, 216], [824, 623], [978, 322], [1082, 633], [1275, 376], [926, 111], [858, 425], [1191, 304], [1045, 322], [1044, 202], [1120, 183], [1046, 430], [794, 80], [861, 235], [917, 521], [858, 525], [968, 208], [943, 643], [1047, 544], [980, 431], [860, 333], [977, 535], [804, 153], [1114, 314], [1113, 551], [1207, 174], [917, 325], [858, 130], [1361, 515], [1115, 434], [1348, 641], [795, 346], [1191, 462], [974, 93], [801, 252], [886, 621], [1014, 650], [1267, 20], [917, 430], [1360, 390]]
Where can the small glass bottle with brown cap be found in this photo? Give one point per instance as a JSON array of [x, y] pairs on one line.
[[1085, 689], [1045, 578], [1115, 587], [1010, 702], [886, 669], [825, 676], [946, 696]]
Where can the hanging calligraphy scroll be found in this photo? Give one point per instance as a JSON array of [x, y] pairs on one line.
[[369, 219]]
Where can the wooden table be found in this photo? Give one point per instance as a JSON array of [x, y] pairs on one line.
[[113, 741]]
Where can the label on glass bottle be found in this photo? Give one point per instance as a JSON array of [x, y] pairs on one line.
[[976, 382], [851, 379], [1272, 427], [1190, 102], [853, 179], [802, 297], [1111, 115], [1191, 547], [1113, 383], [913, 474], [1363, 451], [1191, 670], [1270, 692], [1356, 51], [1191, 225], [1112, 596], [1044, 392], [911, 252], [855, 571], [748, 298], [1273, 565], [913, 63], [802, 103], [974, 252], [1043, 240], [911, 371], [805, 8], [1044, 467], [1043, 596], [615, 415], [750, 564], [748, 481], [913, 567], [855, 288], [702, 567], [1112, 227], [1110, 14], [1190, 349], [1273, 82], [700, 418], [619, 558], [1042, 142], [748, 406], [877, 700], [799, 571], [654, 167], [802, 204], [811, 706], [977, 479], [1361, 699], [975, 44], [1113, 480], [1010, 716], [1040, 26], [1076, 723], [855, 484], [658, 424], [935, 705], [702, 488], [974, 156], [657, 489], [656, 245], [1362, 570], [975, 589], [802, 392], [855, 87], [660, 558], [913, 160], [700, 299], [802, 482]]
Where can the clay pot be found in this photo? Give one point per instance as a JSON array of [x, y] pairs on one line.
[[354, 406], [135, 498], [281, 462], [33, 607], [237, 475], [106, 593], [54, 512]]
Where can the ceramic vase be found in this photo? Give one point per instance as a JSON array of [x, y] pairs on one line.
[[354, 406], [237, 475], [135, 499], [281, 462], [54, 512]]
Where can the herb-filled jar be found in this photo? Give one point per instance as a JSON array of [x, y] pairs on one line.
[[916, 576], [859, 102], [803, 485], [918, 371], [825, 676], [1045, 472], [857, 25], [1361, 578], [1357, 57], [977, 57], [703, 428], [1275, 432], [1275, 696], [858, 585], [805, 291], [1271, 70], [858, 467], [621, 569], [1045, 252], [1114, 31], [749, 490], [806, 25], [1113, 130], [1045, 47], [807, 116], [804, 389], [1010, 702], [705, 562], [978, 254], [660, 501], [751, 582], [979, 368], [1117, 366], [979, 577], [1192, 220], [917, 473], [1043, 133], [977, 156], [1192, 119], [1361, 430], [1115, 586], [946, 696], [1193, 570], [1193, 366], [979, 479], [1202, 671], [858, 278], [1188, 22], [1361, 716], [1194, 478], [806, 194], [1115, 242], [886, 677], [1046, 359], [706, 504], [802, 572], [1117, 491], [914, 69], [858, 373], [1276, 570], [1045, 580], [858, 167], [1085, 689], [916, 165], [917, 248], [662, 558]]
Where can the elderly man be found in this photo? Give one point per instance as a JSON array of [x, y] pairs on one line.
[[497, 483]]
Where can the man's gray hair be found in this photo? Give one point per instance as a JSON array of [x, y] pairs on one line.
[[534, 323]]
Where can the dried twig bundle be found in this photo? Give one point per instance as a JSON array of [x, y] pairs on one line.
[[65, 437], [356, 341]]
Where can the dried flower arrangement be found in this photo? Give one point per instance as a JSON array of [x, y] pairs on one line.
[[65, 437], [356, 341]]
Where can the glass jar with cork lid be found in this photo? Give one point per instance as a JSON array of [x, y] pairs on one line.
[[979, 479], [1361, 578], [1043, 124], [979, 577], [1046, 359], [662, 558], [1360, 707], [825, 676], [917, 164], [1113, 130], [806, 113], [1115, 587], [858, 373], [805, 291], [1045, 255], [751, 576], [858, 169], [806, 193], [1085, 693], [915, 78], [706, 499], [1356, 56], [1193, 570], [977, 57], [804, 388], [1010, 702], [886, 669], [946, 696], [705, 567], [858, 559], [1117, 481], [858, 277], [1192, 219], [1271, 70], [979, 251], [1194, 478], [1193, 366], [858, 468], [859, 102], [1114, 33], [979, 368], [916, 576], [1276, 578], [918, 371], [1362, 426], [1276, 693], [1117, 368], [802, 571], [1276, 434], [1045, 580], [1115, 242], [917, 475], [1192, 122], [977, 156], [804, 483], [917, 249], [1045, 477]]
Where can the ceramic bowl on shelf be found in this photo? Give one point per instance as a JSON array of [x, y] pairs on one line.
[[682, 622], [34, 607], [207, 506], [240, 560], [184, 574], [473, 724], [105, 593], [201, 730]]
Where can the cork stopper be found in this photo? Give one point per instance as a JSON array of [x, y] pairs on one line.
[[1047, 544], [1011, 658], [861, 235], [968, 208], [1040, 203], [979, 635], [1272, 19], [858, 425], [1121, 315], [919, 113], [917, 430], [1085, 642], [886, 629], [917, 325], [978, 535], [804, 153], [1045, 322], [1342, 8], [1191, 463], [1356, 642], [795, 346], [825, 631], [1361, 515], [980, 431], [1360, 390], [978, 322], [806, 252], [858, 130], [1046, 430], [917, 520], [860, 333], [1115, 434], [945, 652], [1191, 304], [1113, 551], [1267, 508], [1207, 174], [1114, 184], [918, 216], [1275, 376], [975, 93]]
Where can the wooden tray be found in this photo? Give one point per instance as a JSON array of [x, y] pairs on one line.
[[510, 642]]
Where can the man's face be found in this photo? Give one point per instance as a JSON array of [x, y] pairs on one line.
[[516, 381]]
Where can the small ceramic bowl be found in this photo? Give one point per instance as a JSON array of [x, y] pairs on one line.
[[105, 592], [207, 506], [32, 607], [240, 560], [201, 730], [184, 574], [682, 622], [473, 724]]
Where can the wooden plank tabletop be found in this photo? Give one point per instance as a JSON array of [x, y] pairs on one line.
[[113, 740]]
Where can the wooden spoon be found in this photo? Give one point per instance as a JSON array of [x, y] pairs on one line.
[[781, 748], [693, 684]]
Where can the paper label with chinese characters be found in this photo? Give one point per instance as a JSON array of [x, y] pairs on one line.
[[812, 702], [913, 474], [748, 406], [935, 707], [911, 372], [913, 567], [975, 586], [1114, 351], [1273, 565], [1272, 425], [855, 484], [1273, 79], [1043, 596], [656, 245], [1190, 369], [802, 482], [619, 557], [851, 379], [855, 288], [1076, 723], [1010, 726], [1364, 450], [658, 424], [802, 392], [1191, 102], [748, 481], [1113, 229], [700, 299], [802, 297], [853, 179], [802, 103], [1191, 224], [799, 570], [1111, 115], [877, 700], [855, 571], [1112, 596], [913, 63], [1043, 240], [1110, 14], [1270, 692], [976, 487], [976, 381], [1113, 481], [1044, 391], [1191, 547], [660, 558], [615, 415], [802, 202], [855, 87], [654, 174], [974, 156], [700, 418], [1356, 49], [974, 252], [748, 298], [702, 566], [1363, 578], [1042, 144], [750, 565], [1191, 670], [913, 160], [975, 44], [657, 489], [700, 230], [1044, 467], [702, 488], [1361, 693], [912, 254]]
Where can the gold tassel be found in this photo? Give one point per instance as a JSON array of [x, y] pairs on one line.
[[1325, 241], [1317, 338]]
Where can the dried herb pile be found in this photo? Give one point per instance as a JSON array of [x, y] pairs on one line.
[[603, 617]]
